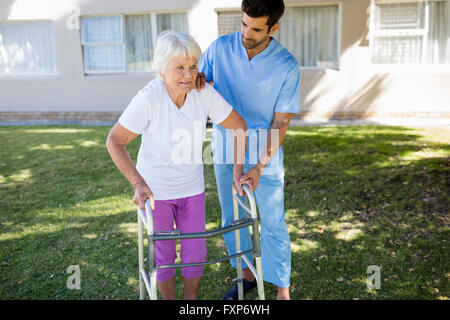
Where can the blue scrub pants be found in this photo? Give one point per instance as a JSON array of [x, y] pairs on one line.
[[275, 242]]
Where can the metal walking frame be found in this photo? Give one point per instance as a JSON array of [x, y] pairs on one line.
[[147, 280]]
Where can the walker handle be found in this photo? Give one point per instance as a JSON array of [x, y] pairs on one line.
[[147, 216], [251, 200]]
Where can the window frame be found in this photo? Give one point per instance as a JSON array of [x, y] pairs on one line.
[[339, 34], [312, 69], [154, 30], [423, 32], [44, 76], [94, 44]]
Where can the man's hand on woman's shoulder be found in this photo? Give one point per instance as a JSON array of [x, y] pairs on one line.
[[200, 81]]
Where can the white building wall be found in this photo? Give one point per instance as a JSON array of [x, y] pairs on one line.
[[356, 88]]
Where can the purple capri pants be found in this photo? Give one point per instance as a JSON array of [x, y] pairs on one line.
[[189, 216]]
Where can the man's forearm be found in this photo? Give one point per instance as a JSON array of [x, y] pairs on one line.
[[240, 146], [275, 139]]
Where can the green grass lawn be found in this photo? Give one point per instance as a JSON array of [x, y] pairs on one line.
[[355, 197]]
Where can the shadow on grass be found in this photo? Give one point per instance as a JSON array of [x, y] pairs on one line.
[[362, 196], [355, 197]]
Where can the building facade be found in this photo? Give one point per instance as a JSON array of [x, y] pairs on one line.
[[84, 60]]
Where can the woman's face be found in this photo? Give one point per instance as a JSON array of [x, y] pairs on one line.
[[180, 74]]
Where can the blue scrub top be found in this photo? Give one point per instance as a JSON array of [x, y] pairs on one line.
[[268, 83]]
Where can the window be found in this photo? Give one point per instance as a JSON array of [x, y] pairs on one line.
[[104, 47], [229, 22], [411, 33], [139, 42], [310, 33], [27, 48], [119, 43]]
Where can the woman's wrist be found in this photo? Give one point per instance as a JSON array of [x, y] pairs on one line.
[[138, 183]]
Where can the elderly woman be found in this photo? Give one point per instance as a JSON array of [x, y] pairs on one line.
[[172, 117]]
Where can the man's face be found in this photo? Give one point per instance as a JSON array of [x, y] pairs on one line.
[[254, 31]]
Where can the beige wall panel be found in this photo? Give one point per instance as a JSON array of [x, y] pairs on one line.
[[357, 87]]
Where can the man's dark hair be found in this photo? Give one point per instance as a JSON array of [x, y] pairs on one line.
[[273, 9]]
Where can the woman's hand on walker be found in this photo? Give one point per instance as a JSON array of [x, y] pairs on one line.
[[142, 192]]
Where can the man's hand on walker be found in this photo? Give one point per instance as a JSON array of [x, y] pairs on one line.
[[252, 177], [142, 192], [238, 173]]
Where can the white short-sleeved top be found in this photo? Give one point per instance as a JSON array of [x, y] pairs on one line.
[[170, 155]]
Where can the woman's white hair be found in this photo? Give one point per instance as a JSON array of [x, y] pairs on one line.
[[173, 45]]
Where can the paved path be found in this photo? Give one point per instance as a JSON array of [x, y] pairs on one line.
[[407, 122]]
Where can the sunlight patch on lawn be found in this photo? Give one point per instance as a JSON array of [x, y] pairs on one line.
[[313, 213], [346, 230], [348, 216], [83, 262], [56, 130], [130, 228], [292, 212], [20, 176], [103, 207], [108, 205], [424, 154], [303, 245], [220, 244], [296, 227], [88, 143], [295, 247], [90, 236], [211, 226], [215, 267], [349, 234], [45, 146], [132, 281], [301, 133], [407, 157], [40, 228]]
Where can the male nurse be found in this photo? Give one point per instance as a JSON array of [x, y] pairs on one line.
[[261, 80]]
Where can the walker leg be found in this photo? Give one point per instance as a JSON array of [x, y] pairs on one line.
[[141, 258], [153, 285], [238, 249], [257, 246], [259, 278], [152, 268]]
